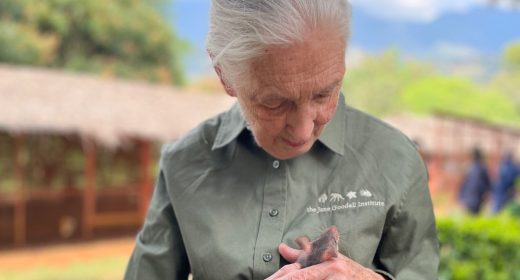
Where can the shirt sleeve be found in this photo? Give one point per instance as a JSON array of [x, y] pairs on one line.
[[159, 251], [409, 248]]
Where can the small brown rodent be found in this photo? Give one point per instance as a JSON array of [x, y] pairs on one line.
[[323, 248]]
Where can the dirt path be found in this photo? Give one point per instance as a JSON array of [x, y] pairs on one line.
[[65, 254]]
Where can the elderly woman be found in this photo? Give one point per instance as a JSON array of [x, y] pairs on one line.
[[290, 159]]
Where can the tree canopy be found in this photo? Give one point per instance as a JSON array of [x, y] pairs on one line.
[[375, 84], [508, 79], [511, 57], [127, 38], [460, 97], [385, 84]]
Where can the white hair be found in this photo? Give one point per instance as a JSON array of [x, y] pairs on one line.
[[240, 30]]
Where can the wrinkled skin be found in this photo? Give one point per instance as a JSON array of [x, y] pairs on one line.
[[329, 267], [292, 95], [319, 260]]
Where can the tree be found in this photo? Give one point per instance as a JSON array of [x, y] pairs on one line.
[[375, 85], [511, 57], [126, 38], [508, 79], [384, 85], [460, 97]]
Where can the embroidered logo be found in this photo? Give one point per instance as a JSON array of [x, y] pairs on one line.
[[335, 197], [365, 193], [335, 201], [351, 195], [322, 198]]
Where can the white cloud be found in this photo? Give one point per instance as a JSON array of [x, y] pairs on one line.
[[414, 10]]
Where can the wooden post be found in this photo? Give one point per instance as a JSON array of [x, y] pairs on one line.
[[462, 152], [145, 184], [438, 159], [20, 207], [89, 191]]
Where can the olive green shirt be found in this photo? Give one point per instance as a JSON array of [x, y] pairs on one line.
[[222, 205]]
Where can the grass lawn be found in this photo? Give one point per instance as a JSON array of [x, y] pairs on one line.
[[101, 269], [98, 260]]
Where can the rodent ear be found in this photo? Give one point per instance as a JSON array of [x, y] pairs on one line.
[[304, 242]]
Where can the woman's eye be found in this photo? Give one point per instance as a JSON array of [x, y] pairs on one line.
[[273, 106], [321, 97]]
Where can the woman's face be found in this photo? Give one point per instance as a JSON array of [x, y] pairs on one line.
[[294, 94]]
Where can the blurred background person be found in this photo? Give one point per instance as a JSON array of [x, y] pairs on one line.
[[504, 187], [475, 185]]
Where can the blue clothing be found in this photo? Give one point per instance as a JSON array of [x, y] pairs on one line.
[[475, 185], [504, 186]]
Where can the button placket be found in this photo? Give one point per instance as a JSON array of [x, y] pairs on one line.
[[266, 259]]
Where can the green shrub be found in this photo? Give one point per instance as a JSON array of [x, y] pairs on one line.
[[480, 247], [124, 38]]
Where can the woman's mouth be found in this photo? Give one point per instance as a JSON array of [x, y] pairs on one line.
[[294, 144]]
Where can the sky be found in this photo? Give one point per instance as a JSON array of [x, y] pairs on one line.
[[450, 33]]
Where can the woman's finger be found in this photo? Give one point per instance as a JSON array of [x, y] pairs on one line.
[[284, 271], [288, 253]]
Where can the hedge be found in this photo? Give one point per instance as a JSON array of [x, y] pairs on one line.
[[480, 247]]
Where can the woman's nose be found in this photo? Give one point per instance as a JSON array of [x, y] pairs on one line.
[[300, 123]]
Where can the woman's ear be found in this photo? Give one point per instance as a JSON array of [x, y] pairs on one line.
[[227, 87]]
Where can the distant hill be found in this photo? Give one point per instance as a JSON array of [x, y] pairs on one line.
[[477, 36]]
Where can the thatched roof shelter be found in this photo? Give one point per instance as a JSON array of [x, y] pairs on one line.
[[450, 135], [40, 103], [108, 110]]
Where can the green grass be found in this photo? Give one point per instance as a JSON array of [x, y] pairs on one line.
[[101, 269]]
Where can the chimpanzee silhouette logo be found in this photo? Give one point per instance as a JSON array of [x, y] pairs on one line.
[[335, 197]]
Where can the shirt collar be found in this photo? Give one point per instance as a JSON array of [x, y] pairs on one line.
[[333, 135], [233, 123]]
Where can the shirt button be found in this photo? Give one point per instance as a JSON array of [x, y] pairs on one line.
[[276, 164], [274, 213], [267, 257]]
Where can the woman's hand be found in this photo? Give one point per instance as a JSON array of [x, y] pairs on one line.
[[339, 268]]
